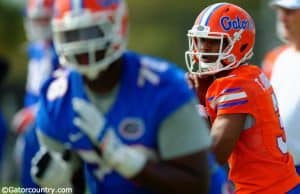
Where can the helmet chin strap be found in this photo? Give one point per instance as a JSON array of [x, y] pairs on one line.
[[92, 72], [92, 75]]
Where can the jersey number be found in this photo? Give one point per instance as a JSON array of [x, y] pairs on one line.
[[149, 71], [281, 142]]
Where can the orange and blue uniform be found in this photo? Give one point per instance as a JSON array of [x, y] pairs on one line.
[[259, 162]]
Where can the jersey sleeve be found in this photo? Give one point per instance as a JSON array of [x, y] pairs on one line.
[[50, 120], [55, 115], [183, 132], [176, 93], [164, 87], [234, 95]]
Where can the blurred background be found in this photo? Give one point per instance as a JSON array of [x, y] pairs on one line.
[[157, 27]]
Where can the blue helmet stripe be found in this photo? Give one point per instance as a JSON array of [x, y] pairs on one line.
[[206, 16], [77, 5]]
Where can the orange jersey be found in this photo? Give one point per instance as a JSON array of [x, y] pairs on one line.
[[260, 162], [270, 58]]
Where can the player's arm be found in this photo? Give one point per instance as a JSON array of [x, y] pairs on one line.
[[225, 132], [183, 141]]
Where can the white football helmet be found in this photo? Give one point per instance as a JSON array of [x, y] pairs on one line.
[[89, 35], [37, 21]]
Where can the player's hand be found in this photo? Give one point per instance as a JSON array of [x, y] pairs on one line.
[[192, 79], [89, 119], [126, 160], [51, 169], [200, 84]]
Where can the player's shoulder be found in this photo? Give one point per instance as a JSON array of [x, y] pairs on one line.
[[59, 84], [161, 77], [244, 72], [240, 88], [244, 77], [147, 60], [167, 71]]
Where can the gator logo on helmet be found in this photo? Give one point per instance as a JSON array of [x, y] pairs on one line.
[[237, 23]]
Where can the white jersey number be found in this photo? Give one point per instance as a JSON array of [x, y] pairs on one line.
[[149, 71]]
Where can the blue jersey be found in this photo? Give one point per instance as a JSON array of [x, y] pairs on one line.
[[149, 91], [42, 62], [219, 183]]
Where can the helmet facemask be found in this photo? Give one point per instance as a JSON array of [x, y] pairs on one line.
[[226, 25], [204, 62], [88, 41]]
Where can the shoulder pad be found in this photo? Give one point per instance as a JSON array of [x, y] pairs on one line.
[[59, 86]]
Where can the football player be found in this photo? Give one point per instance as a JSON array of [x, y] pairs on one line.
[[240, 102], [281, 64], [42, 61], [130, 117]]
